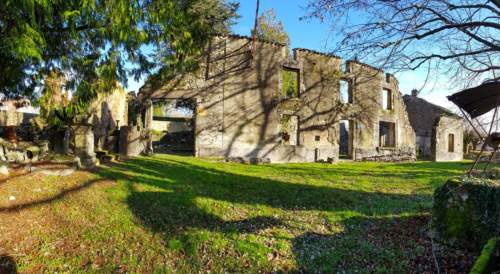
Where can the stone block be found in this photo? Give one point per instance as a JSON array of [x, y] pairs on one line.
[[4, 170], [84, 145], [44, 146], [133, 141]]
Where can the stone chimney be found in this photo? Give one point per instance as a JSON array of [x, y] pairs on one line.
[[414, 92]]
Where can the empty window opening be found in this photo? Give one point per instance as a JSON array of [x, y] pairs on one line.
[[173, 108], [345, 92], [290, 130], [387, 134], [290, 83], [386, 99], [387, 78], [346, 67], [451, 142], [345, 139], [173, 126], [317, 138]]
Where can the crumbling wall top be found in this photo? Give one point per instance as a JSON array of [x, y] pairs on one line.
[[295, 50]]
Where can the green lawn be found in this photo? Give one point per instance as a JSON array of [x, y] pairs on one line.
[[182, 214]]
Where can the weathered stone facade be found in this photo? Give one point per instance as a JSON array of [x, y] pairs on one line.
[[244, 111], [109, 113], [14, 117], [84, 144], [439, 131]]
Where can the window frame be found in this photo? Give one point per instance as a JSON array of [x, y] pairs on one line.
[[451, 143]]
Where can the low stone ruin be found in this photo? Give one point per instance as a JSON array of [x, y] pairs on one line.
[[23, 152], [396, 157], [248, 160]]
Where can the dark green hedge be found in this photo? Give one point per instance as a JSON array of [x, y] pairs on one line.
[[466, 212]]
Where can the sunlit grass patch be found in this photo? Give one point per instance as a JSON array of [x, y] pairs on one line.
[[183, 214]]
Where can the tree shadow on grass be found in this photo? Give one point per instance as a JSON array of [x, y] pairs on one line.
[[164, 196], [379, 245], [183, 182], [7, 265], [47, 200]]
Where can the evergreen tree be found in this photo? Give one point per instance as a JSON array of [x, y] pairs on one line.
[[97, 43]]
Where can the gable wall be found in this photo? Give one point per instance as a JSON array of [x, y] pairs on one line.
[[448, 125], [368, 112]]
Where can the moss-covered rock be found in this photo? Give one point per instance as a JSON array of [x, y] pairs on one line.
[[466, 212]]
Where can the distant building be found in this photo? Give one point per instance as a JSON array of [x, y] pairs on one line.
[[439, 131]]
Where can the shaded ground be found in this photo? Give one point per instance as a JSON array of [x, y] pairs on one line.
[[173, 213]]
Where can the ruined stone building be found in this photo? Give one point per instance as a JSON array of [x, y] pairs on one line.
[[109, 113], [439, 131], [255, 101]]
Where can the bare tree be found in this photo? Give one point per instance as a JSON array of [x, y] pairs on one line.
[[460, 37]]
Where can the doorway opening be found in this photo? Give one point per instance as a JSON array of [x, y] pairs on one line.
[[387, 134], [173, 126], [346, 139]]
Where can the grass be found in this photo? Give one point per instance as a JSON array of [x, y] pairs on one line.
[[180, 214]]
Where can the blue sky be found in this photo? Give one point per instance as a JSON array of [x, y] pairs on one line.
[[310, 34], [316, 35]]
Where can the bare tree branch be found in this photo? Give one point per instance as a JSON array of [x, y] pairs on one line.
[[405, 34]]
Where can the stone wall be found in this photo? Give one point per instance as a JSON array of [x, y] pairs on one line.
[[424, 146], [171, 126], [445, 126], [14, 118], [21, 121], [134, 141], [367, 112], [109, 113], [240, 106], [432, 125], [84, 145]]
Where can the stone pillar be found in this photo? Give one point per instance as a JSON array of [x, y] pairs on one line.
[[66, 140], [11, 123], [84, 145], [148, 123], [148, 119], [44, 147], [123, 145]]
